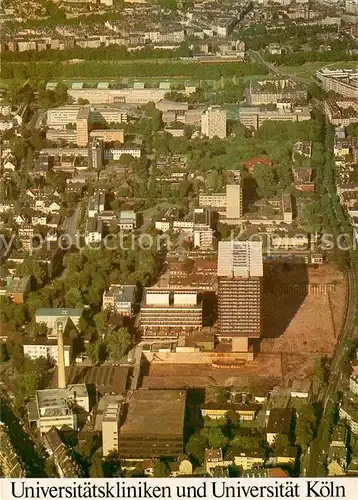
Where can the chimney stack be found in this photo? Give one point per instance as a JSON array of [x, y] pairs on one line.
[[60, 357]]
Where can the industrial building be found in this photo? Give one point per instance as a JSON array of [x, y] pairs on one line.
[[154, 426], [169, 313], [60, 406], [240, 272]]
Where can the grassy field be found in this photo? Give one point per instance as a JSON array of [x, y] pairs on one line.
[[308, 70]]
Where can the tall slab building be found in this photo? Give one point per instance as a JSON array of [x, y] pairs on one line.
[[240, 285]]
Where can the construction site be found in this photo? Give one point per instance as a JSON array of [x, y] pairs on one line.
[[304, 310]]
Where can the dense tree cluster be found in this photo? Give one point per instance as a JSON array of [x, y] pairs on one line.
[[101, 69]]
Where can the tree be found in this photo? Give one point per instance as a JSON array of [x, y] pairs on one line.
[[246, 442], [111, 465], [117, 342], [222, 395], [281, 443], [4, 355], [215, 437], [196, 447], [266, 181], [161, 469], [37, 329]]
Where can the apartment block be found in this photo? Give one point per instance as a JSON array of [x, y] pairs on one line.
[[213, 122], [340, 81]]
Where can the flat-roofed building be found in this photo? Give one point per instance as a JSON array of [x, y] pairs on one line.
[[168, 313], [287, 208], [59, 407], [59, 118], [82, 126], [341, 81], [119, 299], [154, 426], [110, 428], [252, 117], [213, 122], [203, 234], [240, 271], [234, 207], [109, 134], [95, 152], [43, 347], [118, 96]]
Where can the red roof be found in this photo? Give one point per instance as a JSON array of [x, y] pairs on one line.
[[260, 160], [277, 472]]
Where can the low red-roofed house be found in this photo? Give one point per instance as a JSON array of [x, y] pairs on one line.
[[262, 160]]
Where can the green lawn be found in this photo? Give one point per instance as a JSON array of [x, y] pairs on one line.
[[308, 70]]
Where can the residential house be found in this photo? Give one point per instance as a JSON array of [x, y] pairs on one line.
[[65, 465], [349, 412], [94, 230], [248, 459], [18, 289], [213, 459], [214, 410], [337, 453], [127, 220]]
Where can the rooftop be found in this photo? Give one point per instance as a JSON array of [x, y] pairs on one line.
[[155, 413], [108, 379], [53, 311]]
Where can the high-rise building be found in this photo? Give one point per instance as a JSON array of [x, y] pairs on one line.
[[95, 153], [213, 122], [240, 271], [234, 207], [82, 126], [110, 428]]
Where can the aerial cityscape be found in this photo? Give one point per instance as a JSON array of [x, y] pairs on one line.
[[178, 238]]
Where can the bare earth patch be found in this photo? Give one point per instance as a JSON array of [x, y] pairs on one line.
[[298, 325]]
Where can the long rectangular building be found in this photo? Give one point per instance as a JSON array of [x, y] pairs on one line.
[[59, 117], [240, 288], [169, 313], [254, 117], [154, 426], [341, 81]]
